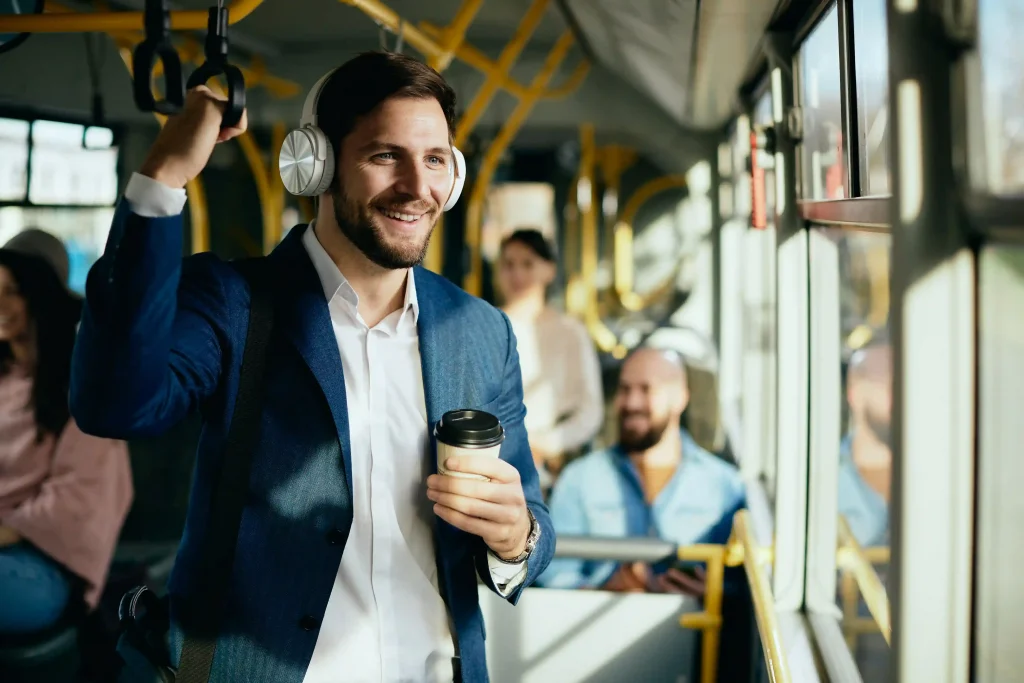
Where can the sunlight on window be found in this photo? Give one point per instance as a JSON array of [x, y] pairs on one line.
[[61, 178], [71, 166], [1002, 65]]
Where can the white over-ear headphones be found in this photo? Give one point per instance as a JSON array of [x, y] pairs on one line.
[[306, 161]]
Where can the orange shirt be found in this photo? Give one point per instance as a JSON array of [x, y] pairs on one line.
[[67, 496]]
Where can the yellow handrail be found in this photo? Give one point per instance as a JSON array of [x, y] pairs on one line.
[[190, 50], [509, 54], [602, 335], [473, 280], [708, 621], [764, 602], [853, 559], [482, 63], [84, 22], [425, 37], [453, 35]]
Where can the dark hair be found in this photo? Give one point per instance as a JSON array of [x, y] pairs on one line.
[[532, 239], [54, 312], [359, 85]]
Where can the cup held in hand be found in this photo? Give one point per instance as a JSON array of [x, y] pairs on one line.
[[467, 434]]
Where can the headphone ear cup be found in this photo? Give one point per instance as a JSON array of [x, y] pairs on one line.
[[306, 162], [458, 180]]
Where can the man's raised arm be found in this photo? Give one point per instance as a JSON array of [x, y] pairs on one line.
[[149, 345]]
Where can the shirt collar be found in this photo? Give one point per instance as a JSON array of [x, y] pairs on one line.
[[335, 284]]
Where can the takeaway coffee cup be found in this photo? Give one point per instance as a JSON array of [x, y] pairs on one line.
[[467, 433]]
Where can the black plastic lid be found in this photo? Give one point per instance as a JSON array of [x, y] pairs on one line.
[[469, 429]]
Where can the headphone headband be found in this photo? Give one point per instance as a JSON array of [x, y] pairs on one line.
[[309, 107]]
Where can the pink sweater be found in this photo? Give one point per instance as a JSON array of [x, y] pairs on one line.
[[67, 496]]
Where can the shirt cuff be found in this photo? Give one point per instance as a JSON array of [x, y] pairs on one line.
[[506, 577], [152, 199]]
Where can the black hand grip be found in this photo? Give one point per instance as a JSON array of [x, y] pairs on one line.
[[216, 64], [157, 20], [143, 62]]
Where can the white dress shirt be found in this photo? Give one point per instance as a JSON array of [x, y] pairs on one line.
[[385, 620]]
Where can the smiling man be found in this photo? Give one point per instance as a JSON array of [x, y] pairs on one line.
[[355, 561], [655, 482]]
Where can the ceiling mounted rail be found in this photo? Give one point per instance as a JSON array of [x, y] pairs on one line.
[[85, 22]]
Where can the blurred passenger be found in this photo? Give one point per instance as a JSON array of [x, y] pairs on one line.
[[561, 375], [865, 464], [50, 248], [655, 482], [63, 495]]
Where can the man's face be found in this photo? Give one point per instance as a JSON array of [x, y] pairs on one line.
[[393, 177], [650, 400]]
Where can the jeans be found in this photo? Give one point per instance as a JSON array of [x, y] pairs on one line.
[[34, 589]]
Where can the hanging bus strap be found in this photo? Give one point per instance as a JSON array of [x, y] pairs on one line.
[[157, 44], [216, 64]]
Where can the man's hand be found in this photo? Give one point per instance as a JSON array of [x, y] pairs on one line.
[[494, 510], [8, 536], [631, 577], [186, 142]]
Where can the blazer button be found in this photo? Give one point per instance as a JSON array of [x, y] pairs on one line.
[[308, 622], [336, 537]]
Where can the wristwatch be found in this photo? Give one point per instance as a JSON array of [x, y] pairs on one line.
[[531, 542]]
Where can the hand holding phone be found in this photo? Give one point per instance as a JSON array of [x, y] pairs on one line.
[[681, 578]]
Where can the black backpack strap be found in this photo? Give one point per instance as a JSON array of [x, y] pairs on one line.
[[231, 486]]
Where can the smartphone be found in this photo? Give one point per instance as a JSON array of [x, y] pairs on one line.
[[688, 567]]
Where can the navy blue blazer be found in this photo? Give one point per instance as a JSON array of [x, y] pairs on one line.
[[161, 336]]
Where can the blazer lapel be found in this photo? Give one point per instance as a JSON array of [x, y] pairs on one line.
[[306, 320]]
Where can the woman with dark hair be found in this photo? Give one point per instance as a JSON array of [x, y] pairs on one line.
[[561, 374], [63, 495]]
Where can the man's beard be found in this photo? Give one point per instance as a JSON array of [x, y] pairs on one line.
[[637, 442], [358, 224]]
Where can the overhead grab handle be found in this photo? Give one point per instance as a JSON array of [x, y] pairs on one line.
[[157, 44], [216, 51]]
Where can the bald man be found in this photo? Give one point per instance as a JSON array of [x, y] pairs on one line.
[[865, 454], [655, 482]]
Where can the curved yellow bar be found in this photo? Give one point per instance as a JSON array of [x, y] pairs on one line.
[[623, 241], [482, 63], [86, 22]]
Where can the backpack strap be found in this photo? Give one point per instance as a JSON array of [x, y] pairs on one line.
[[231, 485]]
